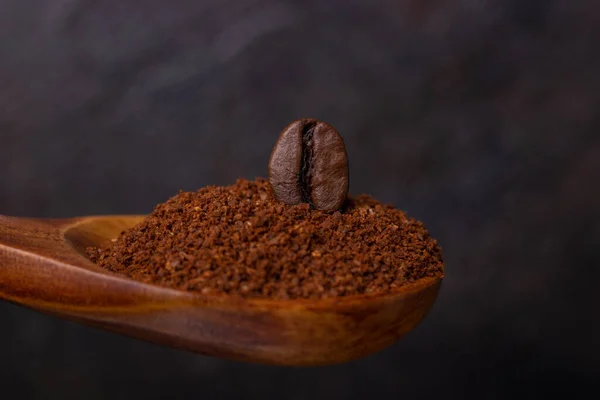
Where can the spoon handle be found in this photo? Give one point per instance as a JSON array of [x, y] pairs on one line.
[[23, 239], [40, 268]]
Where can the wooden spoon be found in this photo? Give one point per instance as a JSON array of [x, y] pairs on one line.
[[42, 266]]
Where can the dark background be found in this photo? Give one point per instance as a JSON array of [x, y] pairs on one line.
[[478, 117]]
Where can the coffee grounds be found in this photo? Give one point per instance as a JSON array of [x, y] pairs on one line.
[[239, 240]]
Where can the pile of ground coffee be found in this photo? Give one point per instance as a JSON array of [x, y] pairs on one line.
[[239, 240]]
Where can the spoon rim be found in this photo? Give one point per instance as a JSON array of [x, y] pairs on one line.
[[411, 288]]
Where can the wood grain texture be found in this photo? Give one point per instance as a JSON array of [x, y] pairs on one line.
[[42, 267]]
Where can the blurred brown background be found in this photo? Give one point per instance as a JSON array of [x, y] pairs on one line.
[[478, 117]]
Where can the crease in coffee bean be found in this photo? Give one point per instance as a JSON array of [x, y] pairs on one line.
[[306, 167]]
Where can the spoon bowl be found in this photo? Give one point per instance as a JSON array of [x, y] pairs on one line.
[[43, 267]]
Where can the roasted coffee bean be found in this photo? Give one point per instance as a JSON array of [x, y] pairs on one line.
[[309, 164]]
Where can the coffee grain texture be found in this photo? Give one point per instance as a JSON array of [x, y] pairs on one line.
[[239, 240]]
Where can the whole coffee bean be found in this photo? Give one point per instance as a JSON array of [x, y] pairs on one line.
[[309, 164]]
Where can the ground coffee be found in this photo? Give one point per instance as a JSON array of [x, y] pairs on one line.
[[240, 240]]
